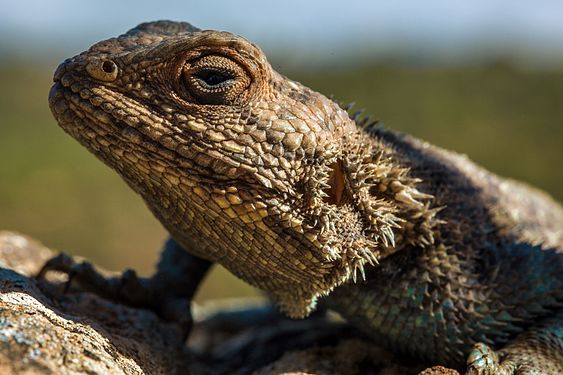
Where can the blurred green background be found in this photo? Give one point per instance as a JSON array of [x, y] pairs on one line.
[[505, 110]]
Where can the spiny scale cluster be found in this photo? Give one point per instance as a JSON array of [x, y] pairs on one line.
[[396, 213], [365, 204], [394, 180]]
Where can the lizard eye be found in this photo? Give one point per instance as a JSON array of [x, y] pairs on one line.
[[215, 79]]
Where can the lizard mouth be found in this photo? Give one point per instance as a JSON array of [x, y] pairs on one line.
[[93, 127], [101, 126]]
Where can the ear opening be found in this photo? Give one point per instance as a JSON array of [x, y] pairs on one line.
[[337, 194]]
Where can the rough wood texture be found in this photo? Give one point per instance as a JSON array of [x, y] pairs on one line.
[[75, 333], [44, 331]]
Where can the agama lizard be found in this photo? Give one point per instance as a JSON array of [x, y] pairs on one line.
[[428, 253]]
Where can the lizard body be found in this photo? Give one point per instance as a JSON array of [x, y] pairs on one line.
[[416, 245]]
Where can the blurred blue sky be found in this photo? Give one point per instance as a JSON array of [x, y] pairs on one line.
[[435, 29]]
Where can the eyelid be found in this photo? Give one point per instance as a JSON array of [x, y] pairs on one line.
[[231, 90]]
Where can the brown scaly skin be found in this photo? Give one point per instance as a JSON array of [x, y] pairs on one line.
[[419, 247]]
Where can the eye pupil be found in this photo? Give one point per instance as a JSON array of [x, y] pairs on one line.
[[213, 78]]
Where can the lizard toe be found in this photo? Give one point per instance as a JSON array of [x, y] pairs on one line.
[[483, 360]]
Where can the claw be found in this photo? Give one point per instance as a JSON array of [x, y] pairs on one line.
[[168, 293], [62, 263]]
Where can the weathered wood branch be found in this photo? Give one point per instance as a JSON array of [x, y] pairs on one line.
[[46, 331]]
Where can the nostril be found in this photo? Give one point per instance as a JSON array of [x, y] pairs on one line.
[[105, 70], [109, 66]]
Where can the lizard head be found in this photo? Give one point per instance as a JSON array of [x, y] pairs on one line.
[[243, 166]]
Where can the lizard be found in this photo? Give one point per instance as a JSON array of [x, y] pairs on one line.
[[428, 253]]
